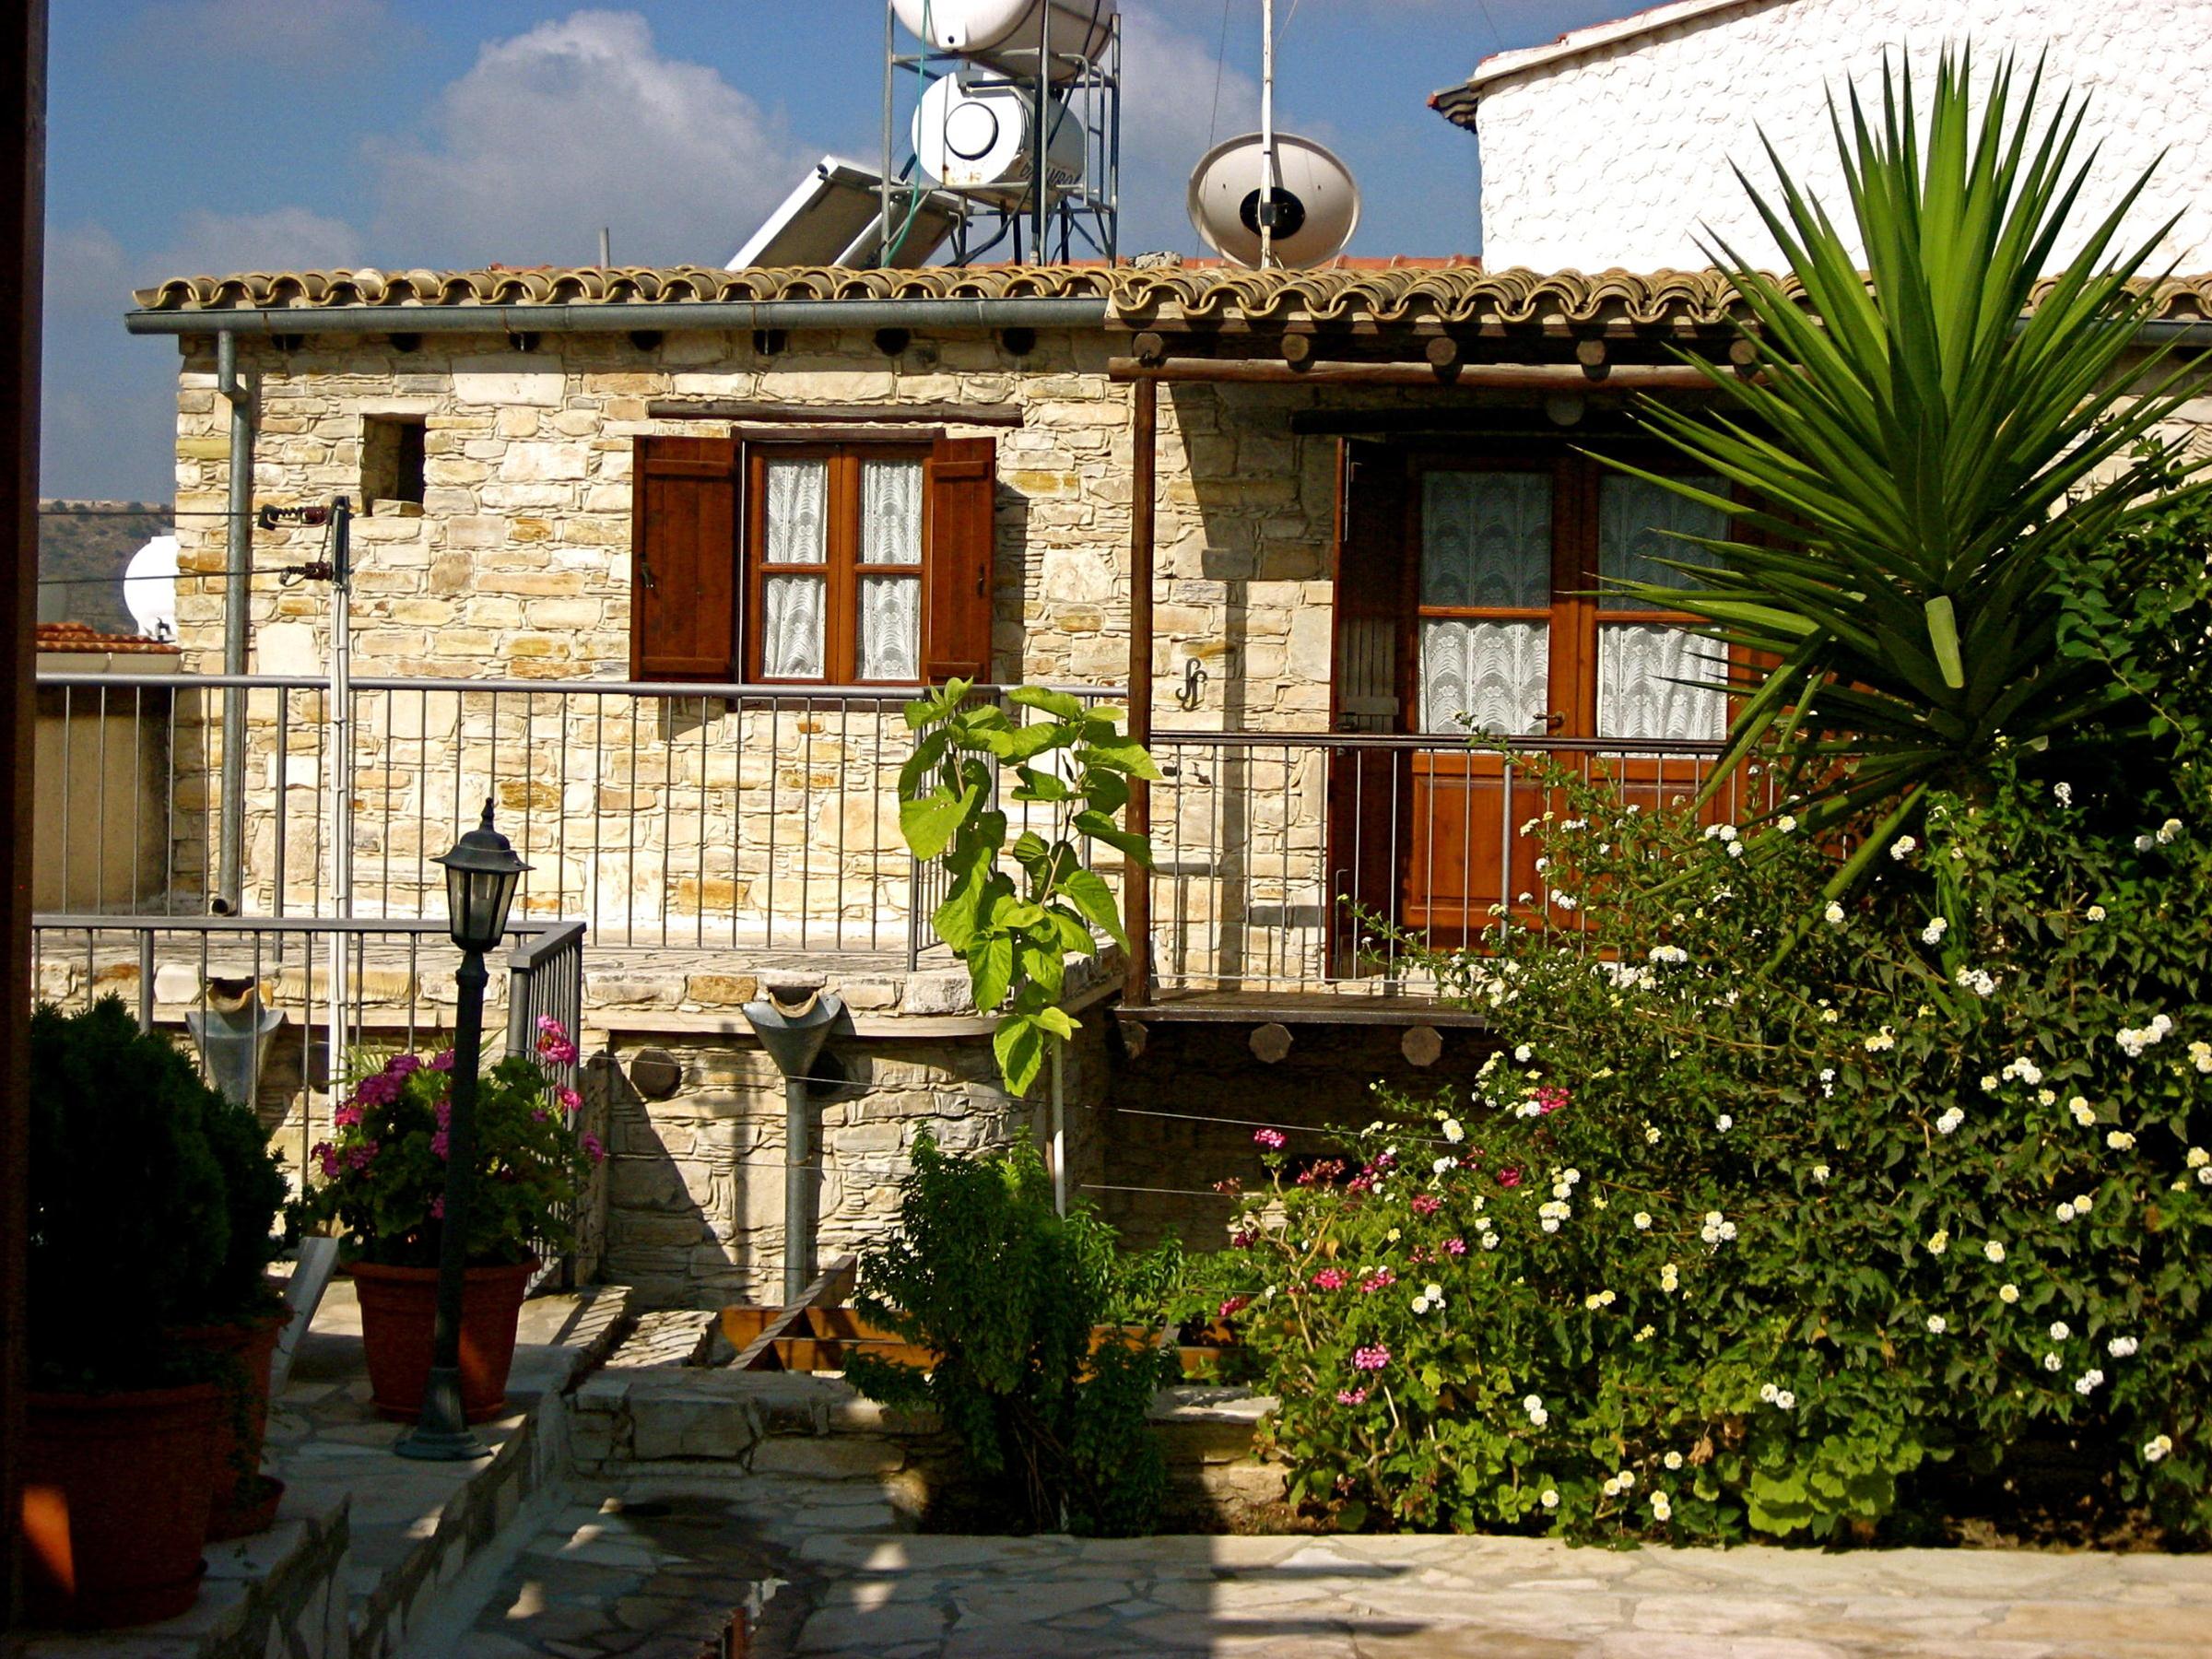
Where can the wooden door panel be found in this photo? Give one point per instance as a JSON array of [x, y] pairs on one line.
[[1465, 852]]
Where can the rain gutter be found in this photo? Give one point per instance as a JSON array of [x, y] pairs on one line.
[[624, 317]]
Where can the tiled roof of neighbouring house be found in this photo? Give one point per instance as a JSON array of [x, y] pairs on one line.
[[79, 636], [1455, 291]]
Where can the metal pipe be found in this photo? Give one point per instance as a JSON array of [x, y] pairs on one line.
[[237, 564], [1267, 173], [793, 1033], [1493, 377], [617, 316], [1137, 880]]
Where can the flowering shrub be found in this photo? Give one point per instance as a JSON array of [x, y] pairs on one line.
[[1709, 1249], [383, 1172]]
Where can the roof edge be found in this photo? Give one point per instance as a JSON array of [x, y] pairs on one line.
[[1457, 103]]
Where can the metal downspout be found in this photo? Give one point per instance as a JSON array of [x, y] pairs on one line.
[[237, 581]]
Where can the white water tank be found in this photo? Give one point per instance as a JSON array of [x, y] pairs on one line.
[[150, 588], [1004, 33], [1317, 203], [982, 137]]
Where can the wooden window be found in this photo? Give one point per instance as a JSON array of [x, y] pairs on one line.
[[814, 563]]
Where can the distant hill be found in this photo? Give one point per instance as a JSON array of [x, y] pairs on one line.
[[83, 547]]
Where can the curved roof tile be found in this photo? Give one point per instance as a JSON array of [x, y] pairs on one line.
[[1455, 292]]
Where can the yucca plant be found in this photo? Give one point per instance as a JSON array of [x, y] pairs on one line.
[[1927, 441]]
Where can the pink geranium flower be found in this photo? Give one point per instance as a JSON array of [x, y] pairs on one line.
[[1351, 1396], [1426, 1204], [1271, 1139], [1380, 1279], [1370, 1359], [1329, 1278], [1509, 1178], [1234, 1305], [1457, 1247]]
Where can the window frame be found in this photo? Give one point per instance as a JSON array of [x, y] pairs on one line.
[[842, 570]]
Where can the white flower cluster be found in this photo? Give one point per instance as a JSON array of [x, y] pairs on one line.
[[1669, 956], [2083, 1113], [2088, 1383], [2168, 832], [1994, 1251], [1549, 1215], [1534, 1405], [2134, 1041], [1833, 913], [1443, 1166], [1673, 1460], [1597, 1300], [2025, 1070], [2095, 913], [1949, 1121], [1936, 1325], [2200, 1056], [1718, 1230], [1933, 932], [1662, 1509], [1881, 1041], [1723, 1123], [1938, 1242], [2122, 1347], [1452, 1131], [1901, 848], [1551, 1498], [2079, 1205], [2008, 1294], [1670, 1277], [1821, 1173], [2063, 792], [1643, 1221], [1619, 1483], [2120, 1140], [1980, 981], [1782, 1399], [2156, 1447], [1432, 1296]]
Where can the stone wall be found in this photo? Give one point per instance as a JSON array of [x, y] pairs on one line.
[[695, 1189], [1618, 157]]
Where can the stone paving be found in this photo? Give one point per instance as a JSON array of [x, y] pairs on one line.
[[655, 1568]]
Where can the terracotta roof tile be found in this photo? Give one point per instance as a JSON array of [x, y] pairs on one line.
[[79, 636], [1454, 291]]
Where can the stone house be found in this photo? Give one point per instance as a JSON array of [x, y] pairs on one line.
[[652, 557]]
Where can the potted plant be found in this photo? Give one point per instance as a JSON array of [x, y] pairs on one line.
[[129, 1236], [245, 1316], [382, 1183]]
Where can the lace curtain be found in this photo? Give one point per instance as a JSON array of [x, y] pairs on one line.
[[1633, 517], [1496, 673], [1485, 541], [1639, 694], [792, 625], [890, 606]]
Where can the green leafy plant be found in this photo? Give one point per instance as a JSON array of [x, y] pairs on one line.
[[1006, 1294], [141, 1177], [1075, 762], [1929, 443], [381, 1175]]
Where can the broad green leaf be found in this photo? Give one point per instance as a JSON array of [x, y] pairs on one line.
[[1098, 827], [1086, 889], [1058, 703], [990, 971], [1120, 754], [1018, 1043], [928, 823]]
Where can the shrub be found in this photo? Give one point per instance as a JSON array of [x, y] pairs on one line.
[[383, 1172], [1708, 1250], [1006, 1294], [151, 1201]]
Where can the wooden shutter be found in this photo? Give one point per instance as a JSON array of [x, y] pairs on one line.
[[959, 553], [684, 561]]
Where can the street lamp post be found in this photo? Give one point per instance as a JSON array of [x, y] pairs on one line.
[[481, 873]]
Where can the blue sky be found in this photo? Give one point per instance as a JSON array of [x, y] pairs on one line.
[[192, 135]]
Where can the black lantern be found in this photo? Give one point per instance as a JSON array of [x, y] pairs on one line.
[[481, 873]]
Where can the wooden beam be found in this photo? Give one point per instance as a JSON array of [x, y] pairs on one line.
[[832, 1287], [1137, 892], [1483, 377], [936, 414], [22, 221]]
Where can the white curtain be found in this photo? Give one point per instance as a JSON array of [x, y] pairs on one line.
[[798, 494], [1638, 667], [791, 634], [1633, 519], [891, 512], [891, 628], [1486, 539], [791, 630], [1495, 674]]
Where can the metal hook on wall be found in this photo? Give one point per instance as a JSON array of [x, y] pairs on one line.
[[1194, 685]]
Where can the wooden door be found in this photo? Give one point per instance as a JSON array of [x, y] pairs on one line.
[[1368, 795]]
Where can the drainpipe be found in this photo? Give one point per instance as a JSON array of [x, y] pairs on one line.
[[237, 569], [791, 1024]]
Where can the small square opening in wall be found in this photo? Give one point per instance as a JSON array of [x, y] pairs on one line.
[[391, 458]]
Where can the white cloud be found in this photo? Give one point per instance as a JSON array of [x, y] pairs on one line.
[[1170, 116], [284, 238], [578, 123], [331, 34]]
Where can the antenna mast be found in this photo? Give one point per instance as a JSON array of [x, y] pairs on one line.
[[1268, 175]]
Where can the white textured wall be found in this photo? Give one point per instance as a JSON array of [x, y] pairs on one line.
[[1616, 157]]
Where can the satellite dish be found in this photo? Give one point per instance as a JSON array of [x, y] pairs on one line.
[[980, 135], [1317, 204], [150, 588], [1005, 33]]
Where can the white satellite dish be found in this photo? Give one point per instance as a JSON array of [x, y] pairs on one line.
[[1317, 206], [1005, 33], [150, 588], [980, 136]]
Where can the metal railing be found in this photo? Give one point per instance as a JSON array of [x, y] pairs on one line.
[[660, 814], [1269, 847], [337, 985]]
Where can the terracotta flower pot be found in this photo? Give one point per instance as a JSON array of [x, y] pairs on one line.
[[399, 1307], [244, 1500], [115, 1491]]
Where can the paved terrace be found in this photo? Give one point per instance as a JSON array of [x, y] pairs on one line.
[[653, 1568]]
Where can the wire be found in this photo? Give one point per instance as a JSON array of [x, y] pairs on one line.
[[1496, 34], [1213, 125], [1096, 1186]]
